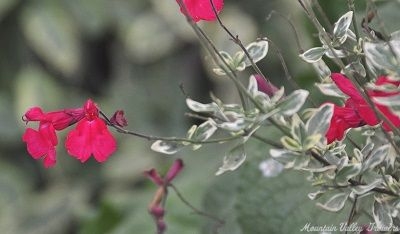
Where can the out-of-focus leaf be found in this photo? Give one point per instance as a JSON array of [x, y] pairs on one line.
[[381, 56], [52, 34], [355, 67], [6, 5], [34, 87], [148, 38], [106, 220], [93, 17], [330, 89], [166, 147]]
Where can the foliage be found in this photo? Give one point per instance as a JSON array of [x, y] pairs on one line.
[[339, 156]]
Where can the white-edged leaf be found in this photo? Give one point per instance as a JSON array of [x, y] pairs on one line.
[[292, 103], [233, 159], [200, 107], [382, 57], [330, 89], [289, 158], [382, 215], [317, 194], [257, 51], [334, 53], [341, 27], [335, 203], [322, 69], [347, 172], [166, 147], [219, 71], [393, 102], [354, 67], [361, 189], [376, 157], [320, 120], [252, 88], [313, 55]]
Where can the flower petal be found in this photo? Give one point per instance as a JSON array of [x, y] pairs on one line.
[[174, 170], [154, 176], [202, 9], [90, 137], [35, 143], [345, 85]]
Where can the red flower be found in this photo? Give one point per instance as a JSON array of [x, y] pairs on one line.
[[90, 137], [201, 9], [119, 119], [356, 111], [41, 143]]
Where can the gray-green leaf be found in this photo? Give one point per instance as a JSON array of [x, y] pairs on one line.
[[335, 203]]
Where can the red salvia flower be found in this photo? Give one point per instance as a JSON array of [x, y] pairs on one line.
[[201, 9], [356, 111], [41, 143], [90, 137]]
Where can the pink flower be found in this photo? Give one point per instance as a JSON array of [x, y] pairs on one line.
[[90, 137], [265, 85], [156, 207], [356, 111], [201, 9], [119, 119]]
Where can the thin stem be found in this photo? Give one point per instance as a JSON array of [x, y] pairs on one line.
[[170, 139], [236, 40], [219, 222], [323, 15], [296, 35], [267, 141]]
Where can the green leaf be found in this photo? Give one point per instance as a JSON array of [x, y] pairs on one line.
[[320, 121], [341, 27], [292, 103], [335, 203], [381, 213], [166, 147], [52, 34], [107, 219], [313, 55], [233, 159], [347, 172], [257, 51], [5, 6], [334, 53]]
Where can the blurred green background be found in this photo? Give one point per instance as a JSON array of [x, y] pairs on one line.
[[134, 55]]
